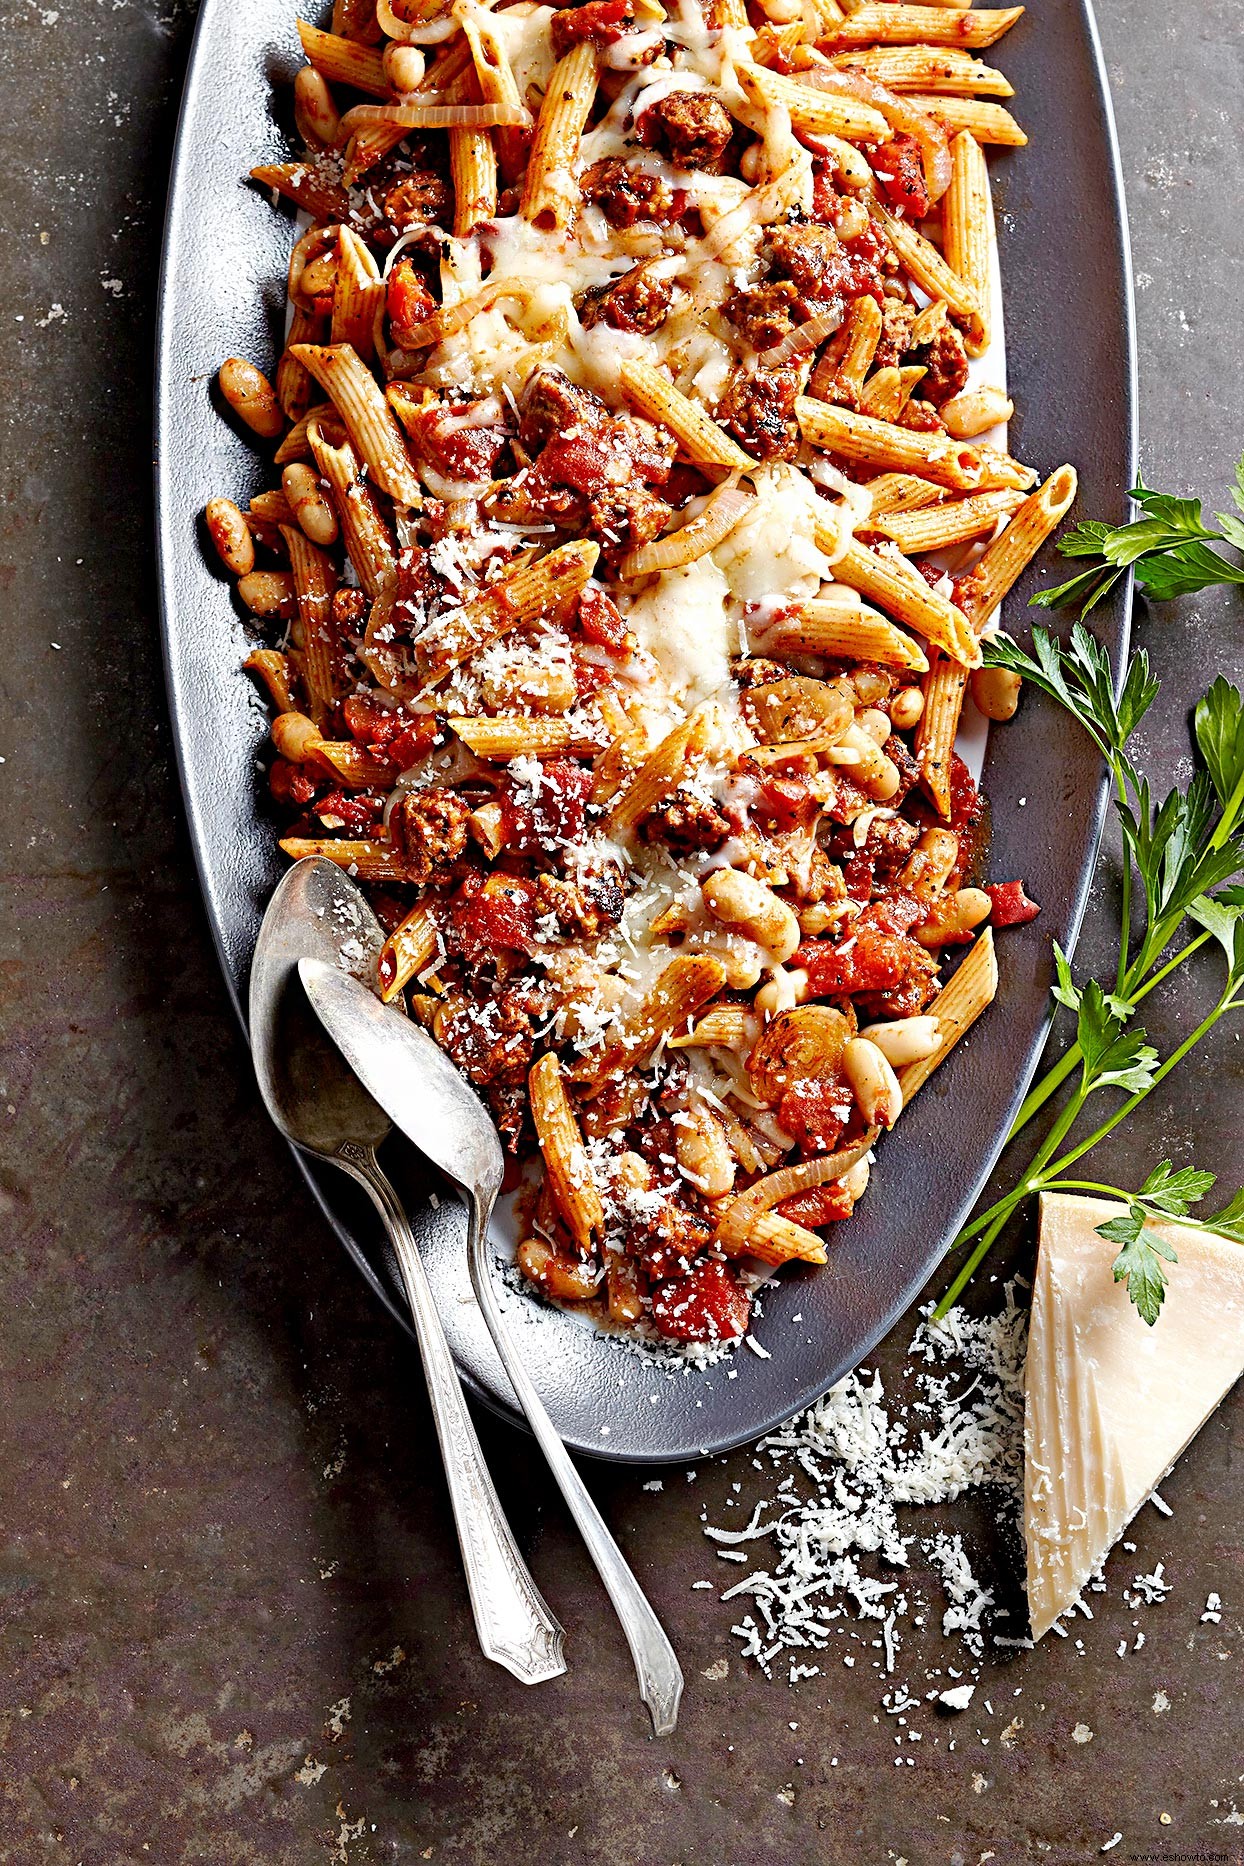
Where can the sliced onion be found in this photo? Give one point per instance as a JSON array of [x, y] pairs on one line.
[[722, 513], [742, 1213], [802, 341], [899, 112], [433, 113], [411, 31], [450, 319]]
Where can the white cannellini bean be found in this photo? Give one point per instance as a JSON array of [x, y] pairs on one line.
[[739, 900], [782, 991], [875, 723], [906, 708], [856, 1181], [873, 1083], [703, 1152], [909, 1040]]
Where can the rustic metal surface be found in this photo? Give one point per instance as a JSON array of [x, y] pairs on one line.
[[233, 1626]]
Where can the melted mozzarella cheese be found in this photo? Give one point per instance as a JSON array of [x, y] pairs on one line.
[[684, 624], [771, 556]]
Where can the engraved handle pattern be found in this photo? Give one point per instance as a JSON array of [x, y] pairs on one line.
[[656, 1666], [514, 1624]]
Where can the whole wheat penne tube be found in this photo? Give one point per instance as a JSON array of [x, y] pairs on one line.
[[955, 522], [344, 61], [725, 1026], [293, 383], [996, 572], [659, 774], [987, 122], [687, 982], [370, 422], [926, 265], [273, 668], [566, 1164], [356, 768], [1000, 471], [847, 358], [296, 446], [816, 113], [888, 391], [315, 579], [473, 170], [409, 950], [973, 988], [271, 509], [816, 627], [368, 144], [363, 530], [967, 231], [926, 25], [546, 587], [899, 589], [934, 742], [306, 186], [497, 84], [775, 1240], [900, 492], [941, 69], [550, 187], [1013, 549], [367, 860], [498, 739], [357, 292], [700, 438], [884, 444]]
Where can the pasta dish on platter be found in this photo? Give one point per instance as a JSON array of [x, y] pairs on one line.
[[644, 497]]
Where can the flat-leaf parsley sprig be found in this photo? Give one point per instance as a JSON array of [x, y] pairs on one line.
[[1180, 855]]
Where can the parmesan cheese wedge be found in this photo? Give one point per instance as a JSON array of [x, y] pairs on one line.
[[1110, 1403]]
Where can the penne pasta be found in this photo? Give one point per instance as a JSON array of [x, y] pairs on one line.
[[936, 527], [369, 421], [544, 588], [928, 268], [849, 634], [971, 990], [967, 224], [344, 61], [499, 740], [889, 24], [551, 190], [939, 69], [363, 529], [700, 438], [873, 443], [899, 588], [315, 579], [567, 1167], [986, 122]]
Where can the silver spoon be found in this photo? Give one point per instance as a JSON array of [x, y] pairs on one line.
[[319, 1105], [417, 1085]]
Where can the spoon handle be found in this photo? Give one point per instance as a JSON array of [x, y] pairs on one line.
[[656, 1667], [514, 1624]]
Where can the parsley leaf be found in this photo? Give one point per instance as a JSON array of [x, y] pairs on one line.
[[1174, 1191], [1113, 1056], [1229, 1222], [1079, 676], [1169, 546], [1137, 1263], [1219, 726]]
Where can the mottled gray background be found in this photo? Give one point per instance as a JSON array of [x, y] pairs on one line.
[[234, 1628]]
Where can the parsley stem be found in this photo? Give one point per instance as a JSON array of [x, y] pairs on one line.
[[1055, 1076], [1224, 1004], [970, 1268]]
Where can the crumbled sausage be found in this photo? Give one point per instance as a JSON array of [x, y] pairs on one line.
[[692, 128], [626, 195], [639, 300], [492, 1039], [581, 910], [430, 829], [764, 315], [421, 197], [759, 408], [946, 362], [685, 822], [550, 404], [920, 416], [755, 671], [897, 319], [624, 517], [349, 609]]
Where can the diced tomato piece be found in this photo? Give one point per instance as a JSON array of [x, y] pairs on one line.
[[875, 958], [824, 195], [360, 811], [555, 813], [598, 22], [1011, 906], [493, 915], [815, 1110], [412, 744], [900, 170], [290, 783], [785, 802], [824, 1205], [709, 1305], [601, 620], [409, 302]]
